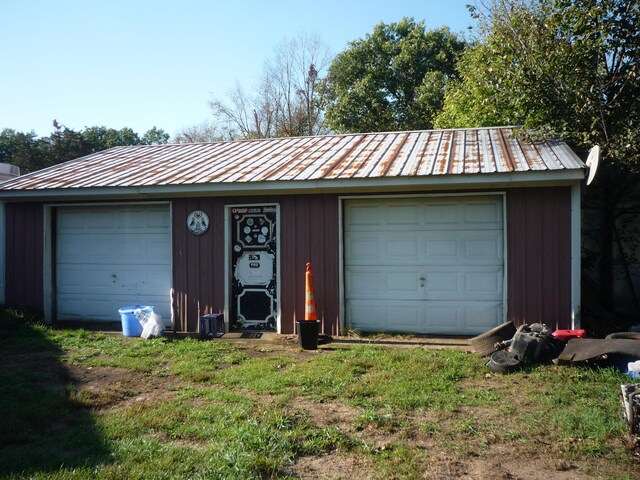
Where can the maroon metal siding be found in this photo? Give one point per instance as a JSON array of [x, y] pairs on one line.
[[539, 256], [308, 232], [24, 255], [198, 263]]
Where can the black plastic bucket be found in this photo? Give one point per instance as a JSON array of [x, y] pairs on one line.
[[308, 334]]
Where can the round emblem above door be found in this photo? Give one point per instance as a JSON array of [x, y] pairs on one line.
[[198, 222]]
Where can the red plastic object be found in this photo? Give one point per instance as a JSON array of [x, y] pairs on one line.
[[566, 335]]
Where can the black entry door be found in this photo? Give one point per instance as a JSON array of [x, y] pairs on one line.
[[254, 301]]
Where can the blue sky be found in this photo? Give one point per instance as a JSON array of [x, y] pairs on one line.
[[118, 63]]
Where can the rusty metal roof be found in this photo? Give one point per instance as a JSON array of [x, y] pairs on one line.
[[331, 157]]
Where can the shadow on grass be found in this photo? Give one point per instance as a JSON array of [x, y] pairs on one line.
[[42, 429]]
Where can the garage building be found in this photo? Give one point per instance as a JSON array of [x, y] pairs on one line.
[[445, 232]]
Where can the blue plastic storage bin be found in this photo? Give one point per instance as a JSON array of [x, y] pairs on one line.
[[131, 326]]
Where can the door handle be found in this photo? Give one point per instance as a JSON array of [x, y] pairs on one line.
[[422, 279]]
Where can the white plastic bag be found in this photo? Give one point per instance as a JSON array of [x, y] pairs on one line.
[[153, 327]]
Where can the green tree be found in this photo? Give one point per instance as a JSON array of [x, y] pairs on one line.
[[31, 153], [571, 69], [101, 138], [155, 136], [64, 144], [393, 79], [23, 150]]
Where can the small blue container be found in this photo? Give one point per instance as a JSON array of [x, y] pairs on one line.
[[131, 326]]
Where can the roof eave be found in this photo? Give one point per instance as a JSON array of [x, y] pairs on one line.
[[404, 183]]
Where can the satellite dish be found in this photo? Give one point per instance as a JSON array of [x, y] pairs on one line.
[[592, 162]]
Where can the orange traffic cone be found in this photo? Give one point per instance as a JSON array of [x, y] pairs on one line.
[[310, 302]]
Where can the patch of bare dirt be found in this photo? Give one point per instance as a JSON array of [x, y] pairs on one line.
[[109, 387], [507, 466], [442, 466], [330, 467], [344, 418], [499, 460], [328, 414]]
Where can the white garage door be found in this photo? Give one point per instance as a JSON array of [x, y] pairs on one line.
[[111, 257], [424, 265]]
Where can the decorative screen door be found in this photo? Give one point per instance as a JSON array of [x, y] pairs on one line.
[[254, 275]]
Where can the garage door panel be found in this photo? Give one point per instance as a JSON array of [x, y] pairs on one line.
[[455, 213], [70, 222], [464, 283], [483, 213], [424, 265], [100, 308], [142, 248], [378, 316], [70, 276], [402, 215], [488, 248], [419, 317], [74, 308], [482, 284], [136, 249], [115, 278], [398, 248], [441, 213], [366, 316], [373, 283], [152, 218], [155, 219], [441, 285], [112, 256], [364, 248], [364, 215], [100, 220], [441, 248], [479, 316], [425, 248], [424, 283], [461, 318], [70, 307], [111, 279]]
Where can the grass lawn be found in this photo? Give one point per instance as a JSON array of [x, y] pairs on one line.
[[79, 404]]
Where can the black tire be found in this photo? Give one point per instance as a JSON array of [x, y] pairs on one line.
[[484, 344]]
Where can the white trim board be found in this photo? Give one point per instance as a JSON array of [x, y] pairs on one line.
[[576, 256]]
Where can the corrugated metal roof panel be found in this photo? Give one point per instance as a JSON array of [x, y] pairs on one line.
[[330, 157]]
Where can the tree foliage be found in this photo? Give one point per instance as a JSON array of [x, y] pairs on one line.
[[24, 150], [31, 153], [569, 68], [569, 65], [393, 79], [289, 99]]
